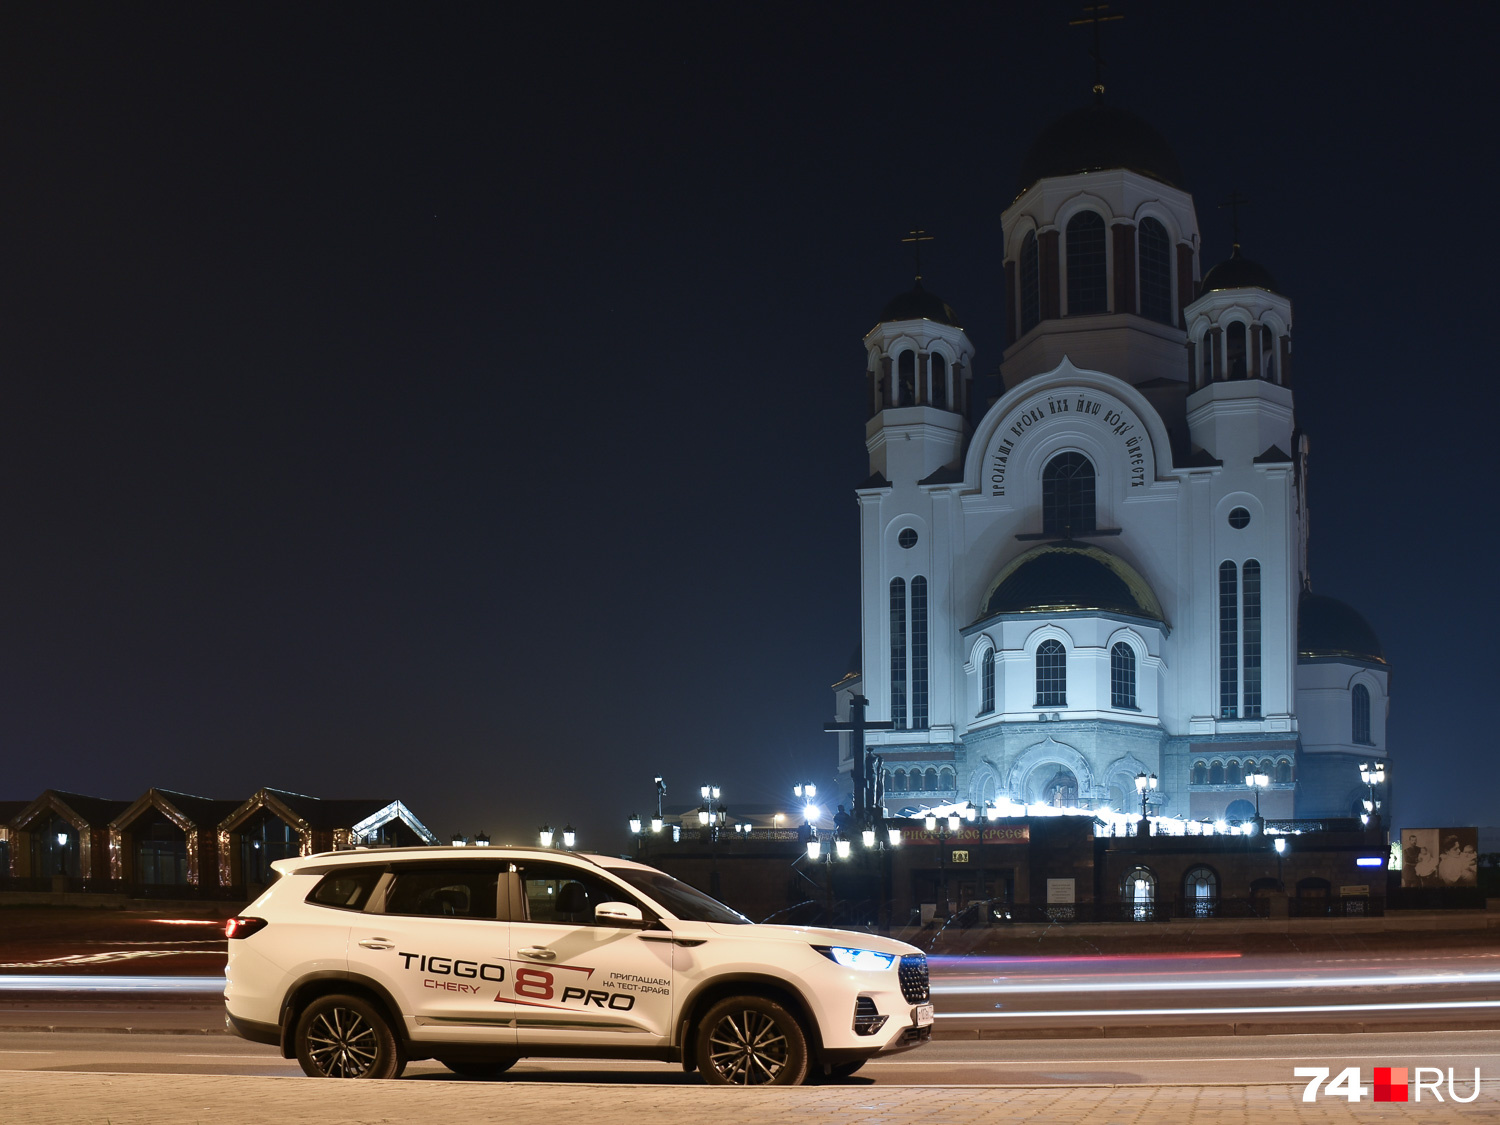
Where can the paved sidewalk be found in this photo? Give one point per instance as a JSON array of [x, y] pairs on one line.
[[43, 1098]]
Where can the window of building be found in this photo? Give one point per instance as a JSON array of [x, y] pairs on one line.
[[1267, 354], [898, 653], [1216, 774], [1283, 771], [1138, 891], [987, 682], [939, 382], [907, 538], [1122, 676], [919, 653], [1200, 773], [1360, 697], [1239, 518], [906, 379], [1229, 642], [1232, 775], [945, 781], [1251, 649], [1068, 495], [1206, 350], [1051, 674], [1087, 286], [1031, 287], [1234, 343], [1200, 891], [898, 782], [930, 780], [1155, 253]]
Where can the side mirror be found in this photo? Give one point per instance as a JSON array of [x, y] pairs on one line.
[[621, 913]]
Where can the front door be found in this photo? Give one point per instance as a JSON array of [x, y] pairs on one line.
[[441, 950], [578, 981]]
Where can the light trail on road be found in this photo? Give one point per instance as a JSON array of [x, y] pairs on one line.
[[78, 982]]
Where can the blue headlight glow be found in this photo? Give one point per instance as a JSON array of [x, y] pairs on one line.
[[856, 958]]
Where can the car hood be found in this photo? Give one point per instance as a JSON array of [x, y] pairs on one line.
[[814, 935]]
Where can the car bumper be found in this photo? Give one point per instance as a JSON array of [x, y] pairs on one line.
[[254, 1030]]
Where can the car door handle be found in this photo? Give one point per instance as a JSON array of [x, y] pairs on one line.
[[539, 953], [377, 943]]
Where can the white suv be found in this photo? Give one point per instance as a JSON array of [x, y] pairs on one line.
[[356, 962]]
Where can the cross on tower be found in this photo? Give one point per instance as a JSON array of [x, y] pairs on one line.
[[1234, 203], [916, 236], [1095, 14]]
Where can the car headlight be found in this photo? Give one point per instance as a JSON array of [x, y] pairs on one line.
[[856, 958]]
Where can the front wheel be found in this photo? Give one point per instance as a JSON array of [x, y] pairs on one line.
[[347, 1037], [751, 1041]]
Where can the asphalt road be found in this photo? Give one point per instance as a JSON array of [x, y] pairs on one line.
[[1235, 1060]]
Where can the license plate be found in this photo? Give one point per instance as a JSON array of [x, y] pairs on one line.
[[921, 1015]]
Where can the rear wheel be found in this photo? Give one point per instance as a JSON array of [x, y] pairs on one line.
[[492, 1068], [342, 1036], [751, 1041]]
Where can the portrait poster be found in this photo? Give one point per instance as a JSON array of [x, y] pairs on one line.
[[1440, 857]]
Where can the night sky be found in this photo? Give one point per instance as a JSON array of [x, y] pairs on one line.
[[464, 403]]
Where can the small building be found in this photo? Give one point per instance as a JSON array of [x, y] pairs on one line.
[[63, 837], [167, 840]]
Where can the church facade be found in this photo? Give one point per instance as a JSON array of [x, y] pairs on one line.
[[1104, 573]]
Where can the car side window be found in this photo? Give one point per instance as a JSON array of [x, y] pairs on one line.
[[444, 892], [346, 889], [565, 895]]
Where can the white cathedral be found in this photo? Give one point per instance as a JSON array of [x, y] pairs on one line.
[[1104, 574]]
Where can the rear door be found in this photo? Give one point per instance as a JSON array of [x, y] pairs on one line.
[[579, 981], [439, 947]]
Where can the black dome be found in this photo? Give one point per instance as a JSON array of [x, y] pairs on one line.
[[1239, 273], [1328, 627], [1096, 138], [1061, 577], [918, 304]]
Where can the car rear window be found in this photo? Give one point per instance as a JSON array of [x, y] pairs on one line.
[[348, 888]]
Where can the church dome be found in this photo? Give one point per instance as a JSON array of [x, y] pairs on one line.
[[1239, 273], [1069, 577], [918, 304], [1096, 138], [1329, 627]]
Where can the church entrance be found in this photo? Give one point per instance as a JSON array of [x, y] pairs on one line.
[[1058, 787]]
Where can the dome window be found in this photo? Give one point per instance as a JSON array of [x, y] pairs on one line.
[[1239, 519], [906, 379], [1031, 284], [1122, 677], [1051, 674], [1268, 354], [1234, 341], [1088, 290], [987, 683], [1155, 250], [1360, 698], [1068, 496], [939, 396]]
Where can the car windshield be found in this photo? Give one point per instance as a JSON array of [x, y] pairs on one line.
[[685, 902]]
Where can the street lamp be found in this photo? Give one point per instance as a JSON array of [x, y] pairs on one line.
[[1144, 785], [1280, 851], [841, 847], [545, 835], [569, 837], [1257, 781], [867, 837], [459, 840], [1372, 775], [709, 792], [635, 825], [481, 840]]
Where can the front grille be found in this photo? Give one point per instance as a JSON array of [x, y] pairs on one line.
[[913, 974], [867, 1019]]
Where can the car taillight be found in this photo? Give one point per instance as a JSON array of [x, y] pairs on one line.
[[243, 927]]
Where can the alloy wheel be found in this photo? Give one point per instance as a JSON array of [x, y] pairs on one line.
[[748, 1049]]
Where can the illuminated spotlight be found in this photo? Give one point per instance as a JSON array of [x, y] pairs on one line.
[[812, 812], [1288, 1009]]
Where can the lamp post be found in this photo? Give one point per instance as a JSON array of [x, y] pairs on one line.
[[1372, 774], [807, 792], [661, 791], [1258, 781], [1144, 785], [635, 832], [1280, 851]]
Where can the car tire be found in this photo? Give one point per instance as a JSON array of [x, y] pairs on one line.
[[471, 1068], [341, 1036], [751, 1041]]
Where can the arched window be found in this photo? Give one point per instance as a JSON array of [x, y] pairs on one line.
[[1267, 354], [898, 653], [906, 379], [1031, 284], [1267, 768], [1234, 341], [900, 781], [1251, 664], [1051, 674], [930, 780], [919, 653], [1138, 891], [1061, 792], [1283, 771], [1087, 288], [987, 682], [1216, 774], [1155, 252], [1068, 495], [1200, 773], [945, 780], [1122, 676], [1232, 775], [1229, 642], [1200, 891], [885, 781], [1206, 350], [1360, 697], [939, 397]]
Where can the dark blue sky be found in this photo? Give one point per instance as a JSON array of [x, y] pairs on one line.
[[465, 405]]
